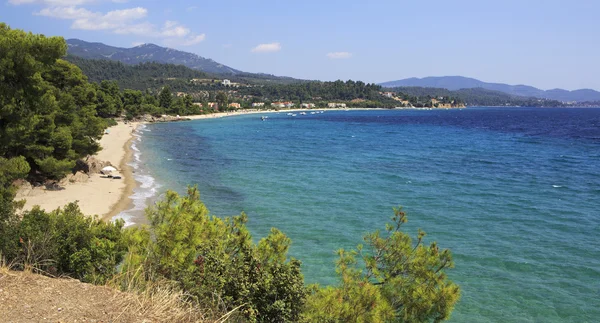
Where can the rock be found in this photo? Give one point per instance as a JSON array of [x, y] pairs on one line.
[[90, 165], [78, 177]]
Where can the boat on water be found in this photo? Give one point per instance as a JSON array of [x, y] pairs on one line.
[[313, 112], [289, 114], [303, 113], [293, 115]]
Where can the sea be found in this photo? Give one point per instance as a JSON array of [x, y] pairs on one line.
[[514, 193]]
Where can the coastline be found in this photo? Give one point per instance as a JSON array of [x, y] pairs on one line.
[[254, 111], [124, 202], [95, 194], [105, 197]]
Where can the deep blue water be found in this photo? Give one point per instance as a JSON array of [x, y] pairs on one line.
[[514, 193]]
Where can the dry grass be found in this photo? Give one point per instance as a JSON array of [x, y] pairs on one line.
[[29, 297]]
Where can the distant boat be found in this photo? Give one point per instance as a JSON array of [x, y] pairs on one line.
[[290, 114], [303, 113], [312, 112], [293, 115], [263, 118]]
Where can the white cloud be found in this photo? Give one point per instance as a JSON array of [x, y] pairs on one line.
[[173, 29], [126, 14], [267, 48], [123, 21], [194, 40], [339, 55], [65, 13], [116, 20], [142, 29]]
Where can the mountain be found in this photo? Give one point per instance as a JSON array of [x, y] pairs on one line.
[[459, 82], [146, 53]]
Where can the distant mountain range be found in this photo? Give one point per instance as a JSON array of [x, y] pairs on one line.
[[146, 53], [454, 83]]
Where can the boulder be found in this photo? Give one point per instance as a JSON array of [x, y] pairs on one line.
[[90, 165], [78, 177]]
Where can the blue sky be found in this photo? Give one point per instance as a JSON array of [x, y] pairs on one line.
[[547, 44]]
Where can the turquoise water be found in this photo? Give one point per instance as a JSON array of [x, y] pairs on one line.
[[514, 193]]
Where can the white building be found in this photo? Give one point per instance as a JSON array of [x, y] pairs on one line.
[[226, 82], [258, 104], [308, 105], [336, 105]]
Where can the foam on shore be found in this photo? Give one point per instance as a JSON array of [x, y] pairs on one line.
[[146, 188]]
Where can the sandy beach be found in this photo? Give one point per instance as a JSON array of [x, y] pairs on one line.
[[100, 196], [107, 197]]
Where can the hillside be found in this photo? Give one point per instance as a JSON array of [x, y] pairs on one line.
[[477, 96], [146, 53], [27, 297], [454, 83]]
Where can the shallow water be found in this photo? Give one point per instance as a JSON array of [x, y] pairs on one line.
[[515, 193]]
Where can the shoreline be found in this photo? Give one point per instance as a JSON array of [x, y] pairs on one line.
[[124, 203], [254, 111], [96, 195]]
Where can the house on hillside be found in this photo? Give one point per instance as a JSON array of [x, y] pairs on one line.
[[234, 105], [226, 82], [213, 105], [258, 104], [336, 105], [308, 105]]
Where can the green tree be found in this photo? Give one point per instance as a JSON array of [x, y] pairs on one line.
[[47, 107], [165, 98], [215, 261], [10, 170], [395, 281], [110, 103], [222, 100]]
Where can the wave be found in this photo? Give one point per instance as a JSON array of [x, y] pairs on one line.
[[147, 185]]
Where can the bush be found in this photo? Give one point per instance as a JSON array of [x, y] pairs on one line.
[[66, 242], [401, 281], [111, 122], [215, 261]]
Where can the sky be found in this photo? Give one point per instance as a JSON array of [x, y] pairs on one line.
[[547, 44]]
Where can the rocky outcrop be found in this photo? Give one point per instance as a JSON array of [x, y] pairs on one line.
[[90, 165], [78, 177]]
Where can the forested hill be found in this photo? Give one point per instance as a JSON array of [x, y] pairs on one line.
[[146, 53], [459, 82], [478, 96], [150, 53], [139, 77]]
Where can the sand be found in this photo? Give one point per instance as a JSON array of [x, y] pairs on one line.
[[99, 195]]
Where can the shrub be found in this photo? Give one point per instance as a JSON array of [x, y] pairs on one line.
[[66, 242], [215, 261], [395, 281]]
